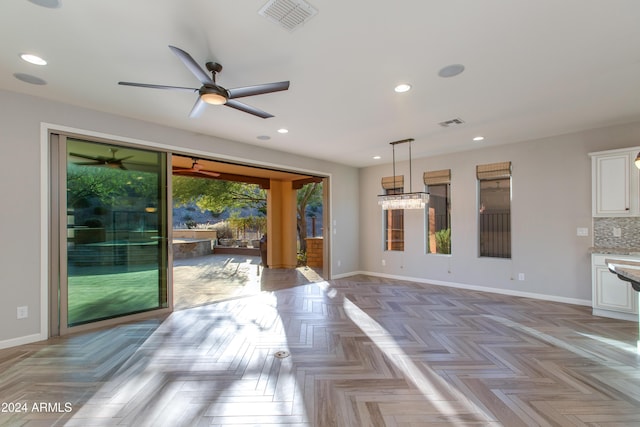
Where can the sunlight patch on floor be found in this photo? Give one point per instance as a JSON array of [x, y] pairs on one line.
[[424, 378], [614, 343]]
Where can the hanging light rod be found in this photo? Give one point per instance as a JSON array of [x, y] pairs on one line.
[[402, 141], [409, 200]]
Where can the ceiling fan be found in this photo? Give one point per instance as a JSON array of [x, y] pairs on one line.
[[112, 162], [195, 169], [211, 93]]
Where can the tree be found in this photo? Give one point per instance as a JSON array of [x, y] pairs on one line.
[[108, 186], [217, 195], [309, 195]]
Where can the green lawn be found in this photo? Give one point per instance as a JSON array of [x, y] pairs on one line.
[[95, 296]]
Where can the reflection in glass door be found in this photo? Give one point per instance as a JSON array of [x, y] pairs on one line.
[[116, 232]]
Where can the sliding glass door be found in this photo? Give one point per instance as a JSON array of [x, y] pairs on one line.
[[113, 224]]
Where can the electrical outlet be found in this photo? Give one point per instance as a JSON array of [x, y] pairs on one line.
[[339, 263], [617, 232], [520, 276], [384, 262], [22, 312]]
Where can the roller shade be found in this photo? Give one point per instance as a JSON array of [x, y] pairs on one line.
[[494, 170], [391, 183], [437, 177]]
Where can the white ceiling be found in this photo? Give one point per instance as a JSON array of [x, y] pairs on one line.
[[534, 68]]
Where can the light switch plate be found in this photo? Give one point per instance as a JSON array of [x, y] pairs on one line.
[[582, 231]]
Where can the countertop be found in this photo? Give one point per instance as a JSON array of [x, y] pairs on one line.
[[626, 270], [615, 251]]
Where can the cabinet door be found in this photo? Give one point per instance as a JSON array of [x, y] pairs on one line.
[[611, 293], [612, 185]]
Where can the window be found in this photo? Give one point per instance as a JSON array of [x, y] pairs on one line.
[[393, 218], [438, 213], [494, 209]]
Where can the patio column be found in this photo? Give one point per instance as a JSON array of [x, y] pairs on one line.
[[281, 225]]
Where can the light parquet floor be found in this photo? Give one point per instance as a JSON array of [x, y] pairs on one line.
[[363, 351]]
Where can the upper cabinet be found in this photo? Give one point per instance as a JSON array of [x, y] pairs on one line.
[[615, 183]]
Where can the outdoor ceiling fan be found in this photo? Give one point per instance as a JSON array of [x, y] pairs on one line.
[[195, 169], [112, 162], [212, 93]]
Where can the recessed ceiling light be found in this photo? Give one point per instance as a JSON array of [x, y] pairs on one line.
[[264, 137], [478, 138], [451, 70], [33, 59], [28, 78], [283, 130], [403, 87], [377, 157]]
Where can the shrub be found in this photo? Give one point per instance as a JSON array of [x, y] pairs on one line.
[[223, 230], [443, 241]]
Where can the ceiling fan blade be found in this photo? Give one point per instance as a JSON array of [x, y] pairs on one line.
[[193, 172], [248, 109], [114, 160], [177, 170], [192, 65], [240, 92], [198, 108], [88, 163], [85, 156], [190, 89]]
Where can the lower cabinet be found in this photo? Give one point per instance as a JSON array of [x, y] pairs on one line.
[[612, 297]]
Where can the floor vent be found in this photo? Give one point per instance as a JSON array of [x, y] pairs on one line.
[[453, 122], [289, 14], [282, 354]]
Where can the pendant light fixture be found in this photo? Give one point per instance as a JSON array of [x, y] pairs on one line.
[[637, 162], [403, 200]]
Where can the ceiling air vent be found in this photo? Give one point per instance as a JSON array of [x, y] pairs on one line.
[[289, 14], [450, 123]]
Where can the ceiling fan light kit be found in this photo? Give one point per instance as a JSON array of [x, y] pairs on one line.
[[213, 97], [213, 94]]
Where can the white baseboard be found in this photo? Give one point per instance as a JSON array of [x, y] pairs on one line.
[[510, 292], [27, 339], [615, 315]]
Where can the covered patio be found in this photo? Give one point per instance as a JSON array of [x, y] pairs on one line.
[[210, 278]]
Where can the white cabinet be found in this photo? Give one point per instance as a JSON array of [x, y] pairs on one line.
[[612, 297], [615, 186], [612, 192]]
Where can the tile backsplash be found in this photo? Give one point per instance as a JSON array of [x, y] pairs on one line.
[[603, 232]]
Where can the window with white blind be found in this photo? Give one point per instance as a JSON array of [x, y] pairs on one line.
[[494, 210], [438, 212]]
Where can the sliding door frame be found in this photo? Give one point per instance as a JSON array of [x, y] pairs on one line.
[[50, 220], [58, 256]]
